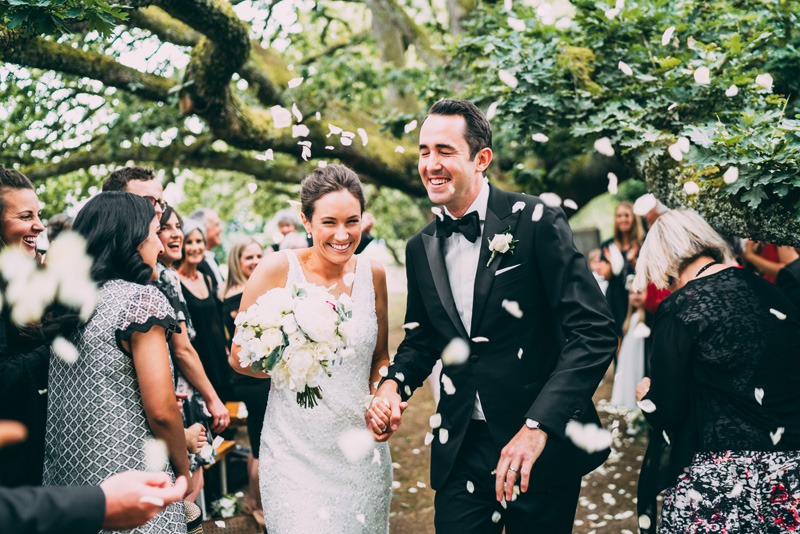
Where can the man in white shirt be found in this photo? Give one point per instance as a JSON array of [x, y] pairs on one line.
[[500, 271], [213, 226]]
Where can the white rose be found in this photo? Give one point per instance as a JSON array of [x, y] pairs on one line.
[[289, 324], [272, 338], [278, 299], [501, 243], [297, 339], [316, 318]]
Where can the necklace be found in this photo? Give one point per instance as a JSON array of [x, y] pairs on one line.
[[193, 278], [706, 266]]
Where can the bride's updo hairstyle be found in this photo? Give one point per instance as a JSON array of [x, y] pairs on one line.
[[328, 179]]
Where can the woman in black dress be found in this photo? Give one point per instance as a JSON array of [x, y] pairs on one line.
[[242, 261], [725, 377], [24, 355], [205, 310]]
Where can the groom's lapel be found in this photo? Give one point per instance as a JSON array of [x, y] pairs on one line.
[[435, 252], [498, 219]]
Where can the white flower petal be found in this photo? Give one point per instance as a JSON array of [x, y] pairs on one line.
[[644, 522], [512, 307], [702, 75], [684, 144], [428, 438], [665, 436], [765, 81], [400, 377], [65, 350], [777, 435], [155, 455], [436, 420], [295, 82], [296, 112], [780, 315], [518, 206], [675, 152], [613, 183], [456, 352], [759, 395], [571, 204], [281, 117], [732, 91], [480, 339], [361, 518], [383, 371], [625, 68], [508, 78], [538, 211], [410, 326], [496, 516], [540, 138], [410, 127], [399, 149], [666, 37], [731, 175], [491, 111], [447, 385], [518, 25], [470, 486], [551, 199], [355, 443], [444, 435], [603, 146], [646, 405], [519, 354], [590, 437], [691, 188], [362, 133], [300, 130]]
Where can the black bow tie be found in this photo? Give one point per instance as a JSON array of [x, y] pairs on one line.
[[469, 225]]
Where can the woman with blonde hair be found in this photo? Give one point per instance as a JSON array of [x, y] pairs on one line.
[[243, 258], [621, 252], [725, 376]]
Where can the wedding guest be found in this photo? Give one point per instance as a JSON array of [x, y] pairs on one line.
[[205, 310], [212, 228], [140, 181], [630, 360], [601, 269], [621, 251], [767, 258], [243, 258], [24, 355], [725, 376], [199, 395], [294, 241], [106, 405], [287, 223], [367, 223], [124, 500]]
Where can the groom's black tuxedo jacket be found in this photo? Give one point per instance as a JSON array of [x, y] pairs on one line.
[[565, 335]]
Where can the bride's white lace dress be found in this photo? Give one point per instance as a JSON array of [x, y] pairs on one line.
[[307, 483]]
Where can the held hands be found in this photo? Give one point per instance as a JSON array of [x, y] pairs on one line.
[[385, 411], [516, 460], [134, 497]]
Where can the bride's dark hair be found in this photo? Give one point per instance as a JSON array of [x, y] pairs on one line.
[[328, 179]]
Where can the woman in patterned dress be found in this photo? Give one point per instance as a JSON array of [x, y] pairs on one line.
[[725, 376], [117, 396]]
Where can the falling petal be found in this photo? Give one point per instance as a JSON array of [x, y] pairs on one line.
[[732, 91], [407, 390], [470, 486], [675, 152], [603, 146], [551, 199], [410, 326], [765, 81], [644, 522], [519, 354], [421, 484], [538, 211], [333, 130], [395, 483], [412, 490], [613, 183], [759, 395], [362, 133], [400, 377], [318, 116], [155, 455], [644, 204], [436, 420], [65, 350], [590, 437], [571, 204], [518, 206], [666, 37], [296, 112], [702, 75], [508, 78], [281, 117], [516, 24], [447, 385], [611, 13], [496, 516], [456, 352], [492, 110], [410, 127], [346, 141], [646, 405], [777, 435], [731, 175], [383, 371], [266, 156], [690, 43], [329, 147], [641, 331], [672, 106], [399, 149], [512, 307], [451, 188], [691, 188], [252, 186], [480, 339], [295, 82], [625, 68], [355, 443], [428, 438], [665, 436], [684, 144], [436, 210], [540, 138], [444, 435], [780, 315], [300, 130]]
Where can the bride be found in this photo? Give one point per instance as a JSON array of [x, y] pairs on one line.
[[311, 476]]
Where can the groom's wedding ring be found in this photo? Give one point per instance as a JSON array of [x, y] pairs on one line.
[[385, 429], [512, 470]]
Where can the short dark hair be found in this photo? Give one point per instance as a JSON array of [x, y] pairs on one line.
[[478, 131], [10, 179], [57, 224], [118, 180], [114, 224], [328, 179]]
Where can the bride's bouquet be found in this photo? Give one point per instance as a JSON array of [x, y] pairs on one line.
[[295, 334]]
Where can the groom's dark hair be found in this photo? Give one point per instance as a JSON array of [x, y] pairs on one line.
[[478, 132]]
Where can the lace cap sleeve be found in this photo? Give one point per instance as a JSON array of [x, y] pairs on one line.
[[146, 308]]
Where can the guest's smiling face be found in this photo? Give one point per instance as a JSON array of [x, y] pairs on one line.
[[20, 224], [335, 225], [194, 248], [151, 247], [251, 255], [624, 219], [450, 175], [171, 235]]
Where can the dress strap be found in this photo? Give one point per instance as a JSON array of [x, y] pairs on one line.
[[295, 270]]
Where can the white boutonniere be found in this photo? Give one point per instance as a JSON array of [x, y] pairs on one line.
[[500, 244]]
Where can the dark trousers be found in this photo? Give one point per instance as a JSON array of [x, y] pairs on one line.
[[458, 511]]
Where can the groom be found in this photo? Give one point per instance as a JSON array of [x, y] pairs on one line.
[[539, 331]]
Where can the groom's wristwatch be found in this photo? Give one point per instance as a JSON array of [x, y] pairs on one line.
[[533, 424]]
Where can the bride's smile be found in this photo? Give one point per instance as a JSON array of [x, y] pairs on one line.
[[335, 228]]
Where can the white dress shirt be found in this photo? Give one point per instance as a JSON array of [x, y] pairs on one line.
[[212, 262], [461, 259]]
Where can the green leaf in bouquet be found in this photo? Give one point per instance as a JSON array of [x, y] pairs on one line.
[[273, 358]]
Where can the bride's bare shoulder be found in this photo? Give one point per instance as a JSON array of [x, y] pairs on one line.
[[378, 273]]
